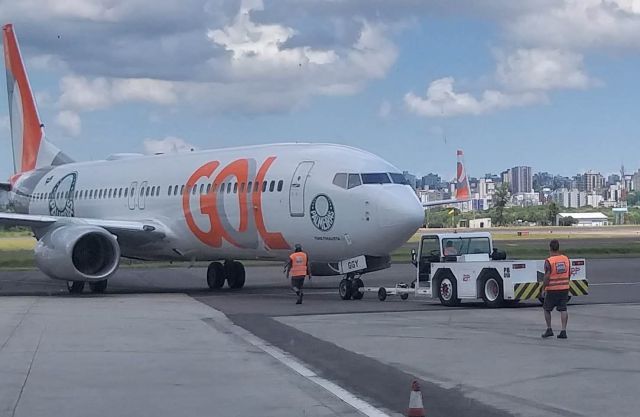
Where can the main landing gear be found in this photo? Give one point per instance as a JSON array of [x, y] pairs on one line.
[[76, 287], [231, 271], [349, 287]]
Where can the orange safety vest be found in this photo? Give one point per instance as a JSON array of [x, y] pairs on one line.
[[298, 264], [560, 273]]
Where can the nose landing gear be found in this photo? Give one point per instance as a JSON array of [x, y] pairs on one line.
[[349, 287]]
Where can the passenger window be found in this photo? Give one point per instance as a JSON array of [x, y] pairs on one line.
[[256, 187], [201, 188], [147, 193], [264, 186], [194, 190], [280, 184], [249, 186], [100, 194], [120, 193], [109, 193], [228, 188], [340, 180], [76, 195], [182, 190], [272, 185], [208, 188], [235, 187], [126, 192], [354, 180]]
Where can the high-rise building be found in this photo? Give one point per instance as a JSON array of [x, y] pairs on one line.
[[431, 181], [411, 179], [521, 180], [592, 182]]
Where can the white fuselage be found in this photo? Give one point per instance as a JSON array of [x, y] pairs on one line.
[[204, 201]]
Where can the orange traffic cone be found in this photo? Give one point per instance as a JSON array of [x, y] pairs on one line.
[[415, 401]]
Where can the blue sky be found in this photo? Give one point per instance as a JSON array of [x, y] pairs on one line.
[[393, 77]]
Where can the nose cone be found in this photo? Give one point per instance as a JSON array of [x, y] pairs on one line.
[[400, 216]]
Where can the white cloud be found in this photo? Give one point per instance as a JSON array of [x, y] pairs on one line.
[[83, 94], [580, 24], [442, 101], [70, 122], [170, 144], [542, 69]]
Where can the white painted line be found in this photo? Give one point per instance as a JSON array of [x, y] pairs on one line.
[[604, 284], [290, 362]]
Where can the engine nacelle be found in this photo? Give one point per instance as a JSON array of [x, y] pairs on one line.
[[78, 253]]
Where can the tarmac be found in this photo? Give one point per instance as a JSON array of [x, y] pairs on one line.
[[159, 344]]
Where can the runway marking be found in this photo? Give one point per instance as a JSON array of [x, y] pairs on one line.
[[292, 363]]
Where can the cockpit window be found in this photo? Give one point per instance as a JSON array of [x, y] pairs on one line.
[[340, 180], [354, 180], [376, 178], [398, 178]]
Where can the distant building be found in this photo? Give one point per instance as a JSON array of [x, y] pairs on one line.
[[613, 179], [476, 223], [433, 195], [542, 180], [569, 198], [592, 182], [584, 219], [431, 181], [525, 199], [411, 179], [521, 180]]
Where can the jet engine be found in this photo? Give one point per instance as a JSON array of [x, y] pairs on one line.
[[78, 253]]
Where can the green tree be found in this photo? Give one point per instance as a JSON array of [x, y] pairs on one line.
[[501, 199], [552, 212]]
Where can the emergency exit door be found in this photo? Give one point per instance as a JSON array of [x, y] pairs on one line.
[[296, 190]]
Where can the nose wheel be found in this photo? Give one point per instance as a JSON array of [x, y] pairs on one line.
[[349, 288]]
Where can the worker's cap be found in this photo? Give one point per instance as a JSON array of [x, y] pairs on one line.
[[298, 246]]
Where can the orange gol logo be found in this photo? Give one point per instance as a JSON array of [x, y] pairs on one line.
[[212, 205]]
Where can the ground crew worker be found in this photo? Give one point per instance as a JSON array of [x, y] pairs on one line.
[[298, 269], [555, 288]]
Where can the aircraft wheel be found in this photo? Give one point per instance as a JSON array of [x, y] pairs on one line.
[[215, 275], [382, 294], [98, 287], [235, 274], [356, 293], [345, 289], [75, 287]]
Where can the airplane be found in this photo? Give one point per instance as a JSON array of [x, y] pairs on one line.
[[348, 208]]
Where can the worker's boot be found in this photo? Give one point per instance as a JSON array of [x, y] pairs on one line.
[[299, 298], [562, 335], [548, 333]]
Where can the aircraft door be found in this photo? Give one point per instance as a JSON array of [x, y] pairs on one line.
[[144, 190], [296, 190], [133, 193]]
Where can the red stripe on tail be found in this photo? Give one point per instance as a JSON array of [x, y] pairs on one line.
[[31, 126]]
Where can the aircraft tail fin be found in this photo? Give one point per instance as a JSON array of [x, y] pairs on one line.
[[30, 148], [463, 192]]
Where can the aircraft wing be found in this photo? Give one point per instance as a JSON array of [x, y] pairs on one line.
[[442, 202], [128, 230]]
